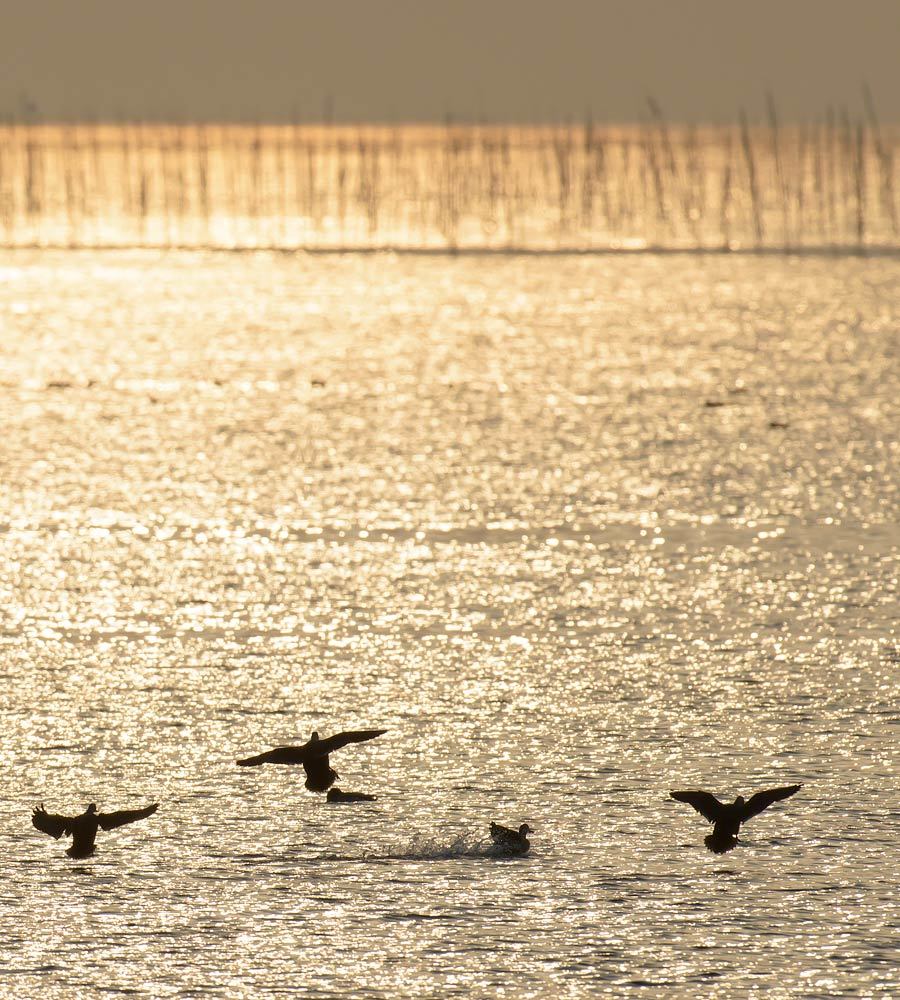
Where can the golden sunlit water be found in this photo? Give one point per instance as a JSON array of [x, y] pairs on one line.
[[575, 530]]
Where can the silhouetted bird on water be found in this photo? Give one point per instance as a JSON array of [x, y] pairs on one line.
[[313, 756], [336, 795], [83, 829], [728, 817], [512, 841]]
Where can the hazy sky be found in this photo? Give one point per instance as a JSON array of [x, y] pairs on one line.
[[422, 59]]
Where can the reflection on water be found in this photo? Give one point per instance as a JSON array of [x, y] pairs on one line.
[[575, 531]]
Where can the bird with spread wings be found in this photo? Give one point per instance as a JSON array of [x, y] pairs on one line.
[[83, 829], [728, 817], [313, 755]]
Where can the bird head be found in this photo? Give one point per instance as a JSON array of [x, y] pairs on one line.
[[314, 737], [91, 809], [525, 828], [739, 801]]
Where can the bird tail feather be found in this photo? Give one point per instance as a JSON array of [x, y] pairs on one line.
[[720, 845]]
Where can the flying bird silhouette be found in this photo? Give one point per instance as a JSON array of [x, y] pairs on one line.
[[728, 817], [511, 841], [313, 755], [83, 829], [336, 795]]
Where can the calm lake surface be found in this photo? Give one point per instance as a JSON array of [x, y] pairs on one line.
[[575, 530]]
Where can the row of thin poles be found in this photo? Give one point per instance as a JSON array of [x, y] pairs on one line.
[[770, 185]]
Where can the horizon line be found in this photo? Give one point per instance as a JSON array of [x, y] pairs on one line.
[[831, 116], [840, 250]]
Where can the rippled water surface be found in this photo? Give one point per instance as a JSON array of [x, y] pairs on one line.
[[575, 530]]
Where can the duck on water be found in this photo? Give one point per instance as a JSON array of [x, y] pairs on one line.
[[336, 795], [511, 841]]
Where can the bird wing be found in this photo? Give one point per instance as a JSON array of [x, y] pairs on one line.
[[50, 823], [342, 739], [311, 750], [705, 803], [109, 821], [762, 800], [280, 755]]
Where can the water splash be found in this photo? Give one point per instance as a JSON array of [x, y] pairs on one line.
[[424, 847]]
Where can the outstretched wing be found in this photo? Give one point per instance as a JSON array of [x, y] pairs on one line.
[[311, 750], [109, 821], [762, 800], [280, 755], [709, 807], [342, 739], [50, 823]]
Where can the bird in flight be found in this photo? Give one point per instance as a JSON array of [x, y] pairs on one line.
[[83, 829], [728, 817], [511, 841], [313, 755]]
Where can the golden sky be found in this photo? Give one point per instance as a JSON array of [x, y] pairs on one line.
[[422, 59]]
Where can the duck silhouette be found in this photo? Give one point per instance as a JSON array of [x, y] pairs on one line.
[[336, 795], [313, 755], [728, 817], [83, 829], [511, 841]]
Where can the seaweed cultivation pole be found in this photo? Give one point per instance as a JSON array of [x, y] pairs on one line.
[[766, 186], [752, 181], [859, 174], [885, 158]]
